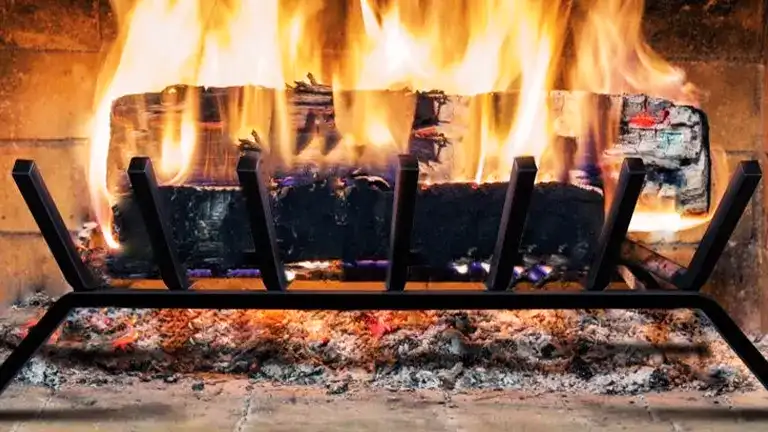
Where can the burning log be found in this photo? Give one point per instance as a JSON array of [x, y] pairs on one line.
[[227, 118], [651, 262], [672, 140], [344, 214], [349, 219]]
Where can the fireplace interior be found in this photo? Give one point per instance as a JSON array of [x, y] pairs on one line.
[[532, 173]]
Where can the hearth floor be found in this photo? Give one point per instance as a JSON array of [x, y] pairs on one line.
[[237, 405]]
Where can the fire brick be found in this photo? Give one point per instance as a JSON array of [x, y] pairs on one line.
[[26, 265], [63, 165], [711, 30], [50, 25], [732, 96], [46, 95]]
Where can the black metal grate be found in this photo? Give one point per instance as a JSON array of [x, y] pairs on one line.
[[666, 285]]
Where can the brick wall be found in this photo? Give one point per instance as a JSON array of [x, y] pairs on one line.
[[720, 45], [50, 51]]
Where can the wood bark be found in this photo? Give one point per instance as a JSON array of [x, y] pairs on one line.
[[345, 215], [350, 221], [441, 131]]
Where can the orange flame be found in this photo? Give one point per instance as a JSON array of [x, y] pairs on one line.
[[612, 56], [463, 47]]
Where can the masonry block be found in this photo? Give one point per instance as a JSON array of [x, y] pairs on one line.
[[71, 25], [107, 22], [63, 165], [26, 266], [705, 29], [46, 95], [732, 99]]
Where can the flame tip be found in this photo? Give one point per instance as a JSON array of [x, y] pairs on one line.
[[492, 46]]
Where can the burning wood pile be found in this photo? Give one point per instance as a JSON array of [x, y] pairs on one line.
[[392, 85], [344, 213], [330, 141]]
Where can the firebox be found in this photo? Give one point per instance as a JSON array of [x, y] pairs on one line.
[[515, 150]]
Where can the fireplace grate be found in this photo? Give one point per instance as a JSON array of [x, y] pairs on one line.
[[653, 282]]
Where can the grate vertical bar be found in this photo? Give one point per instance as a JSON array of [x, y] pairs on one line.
[[253, 184], [513, 217], [616, 224], [147, 195], [48, 218], [737, 196], [403, 209]]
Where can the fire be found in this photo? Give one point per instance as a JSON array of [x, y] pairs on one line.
[[128, 338], [168, 42], [26, 327], [613, 57], [376, 55], [177, 148]]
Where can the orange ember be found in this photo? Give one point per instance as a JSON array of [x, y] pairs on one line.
[[462, 47], [25, 328], [127, 339]]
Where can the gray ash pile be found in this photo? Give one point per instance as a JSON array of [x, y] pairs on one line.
[[602, 352]]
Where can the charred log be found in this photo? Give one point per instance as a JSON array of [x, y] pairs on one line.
[[349, 220]]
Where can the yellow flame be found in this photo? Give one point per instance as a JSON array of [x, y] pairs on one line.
[[375, 54], [613, 57], [176, 150], [168, 42]]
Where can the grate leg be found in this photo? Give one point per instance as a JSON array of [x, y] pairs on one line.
[[737, 340], [513, 216], [724, 221], [616, 224], [252, 182], [147, 195], [35, 339], [48, 218], [403, 209]]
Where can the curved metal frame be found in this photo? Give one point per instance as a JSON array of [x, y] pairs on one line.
[[499, 293]]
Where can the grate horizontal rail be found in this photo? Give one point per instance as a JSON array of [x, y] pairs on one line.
[[613, 251]]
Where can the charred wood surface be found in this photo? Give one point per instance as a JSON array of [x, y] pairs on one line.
[[350, 220], [672, 140]]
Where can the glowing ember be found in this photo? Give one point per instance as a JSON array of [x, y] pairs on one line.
[[461, 48], [379, 325], [25, 328], [574, 349], [128, 338]]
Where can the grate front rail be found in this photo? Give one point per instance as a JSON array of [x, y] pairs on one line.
[[658, 283]]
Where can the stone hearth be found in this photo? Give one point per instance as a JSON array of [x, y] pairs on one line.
[[50, 52], [215, 404]]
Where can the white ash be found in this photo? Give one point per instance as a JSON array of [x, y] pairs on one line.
[[40, 372], [34, 299], [593, 351]]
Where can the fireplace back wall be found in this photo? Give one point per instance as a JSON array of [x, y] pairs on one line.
[[50, 52]]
